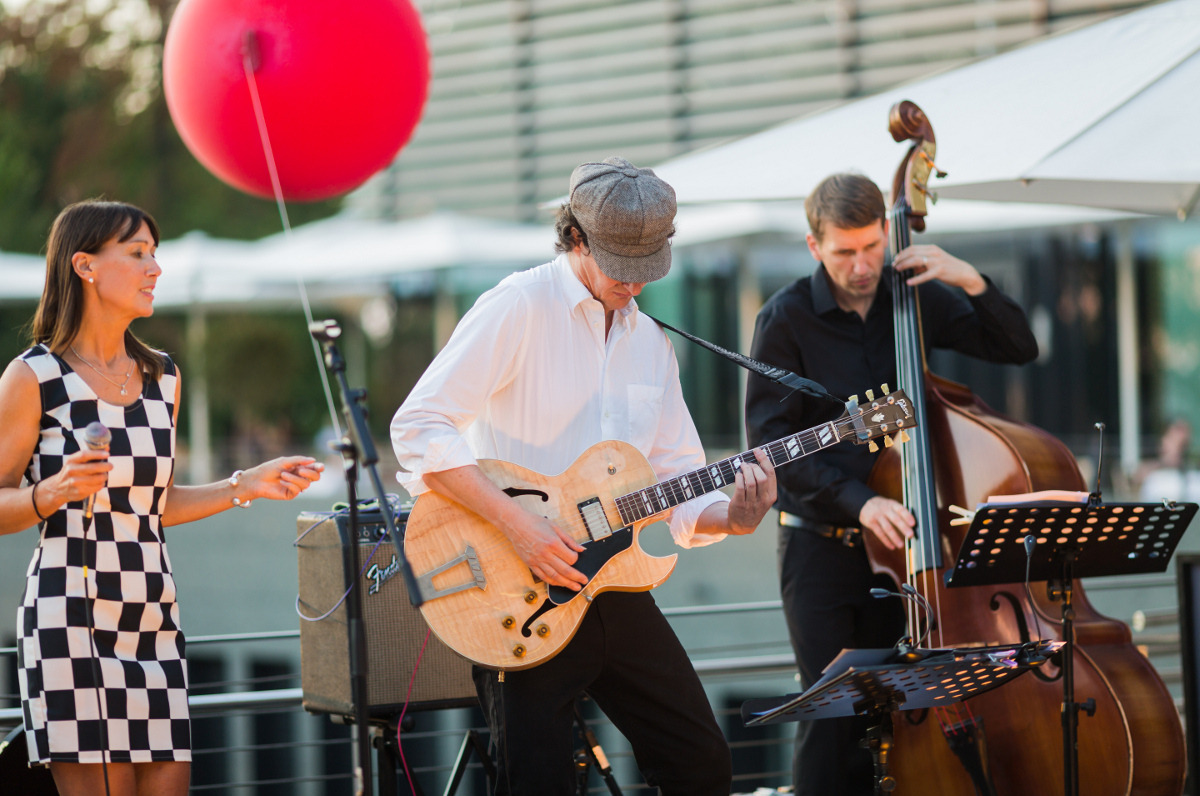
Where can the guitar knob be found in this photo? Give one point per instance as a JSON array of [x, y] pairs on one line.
[[530, 596], [543, 630], [509, 622], [519, 651]]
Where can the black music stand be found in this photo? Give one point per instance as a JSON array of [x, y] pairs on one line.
[[1083, 538], [876, 682]]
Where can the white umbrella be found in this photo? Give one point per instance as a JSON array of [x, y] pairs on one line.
[[1105, 116], [342, 257]]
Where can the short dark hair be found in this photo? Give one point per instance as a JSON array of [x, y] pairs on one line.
[[565, 228], [85, 227], [846, 201]]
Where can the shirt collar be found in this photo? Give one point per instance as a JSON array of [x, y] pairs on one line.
[[577, 292], [822, 293]]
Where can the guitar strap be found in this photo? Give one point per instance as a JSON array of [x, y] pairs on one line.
[[777, 375]]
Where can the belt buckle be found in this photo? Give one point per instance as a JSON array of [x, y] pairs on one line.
[[849, 537]]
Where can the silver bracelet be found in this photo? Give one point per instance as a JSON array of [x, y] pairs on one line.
[[233, 482]]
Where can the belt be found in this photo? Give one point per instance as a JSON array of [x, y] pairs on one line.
[[848, 535]]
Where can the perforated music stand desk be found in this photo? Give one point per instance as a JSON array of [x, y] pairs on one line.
[[875, 682], [1074, 539], [1102, 539]]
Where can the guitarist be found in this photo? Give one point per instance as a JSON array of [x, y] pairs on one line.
[[545, 365], [835, 327]]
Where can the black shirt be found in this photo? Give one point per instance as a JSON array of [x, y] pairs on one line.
[[802, 328]]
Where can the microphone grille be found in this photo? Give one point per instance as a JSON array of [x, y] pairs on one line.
[[97, 435]]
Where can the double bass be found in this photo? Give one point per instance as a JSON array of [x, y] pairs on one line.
[[1008, 741]]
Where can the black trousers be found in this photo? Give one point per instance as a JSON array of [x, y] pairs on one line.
[[627, 658], [827, 603]]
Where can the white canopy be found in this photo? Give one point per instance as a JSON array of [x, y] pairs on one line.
[[336, 257], [341, 256], [1105, 116]]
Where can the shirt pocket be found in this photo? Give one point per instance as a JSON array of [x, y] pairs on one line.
[[645, 411]]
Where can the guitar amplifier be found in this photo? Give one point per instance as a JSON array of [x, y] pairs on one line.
[[329, 563]]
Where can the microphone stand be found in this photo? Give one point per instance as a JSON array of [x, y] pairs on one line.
[[358, 450]]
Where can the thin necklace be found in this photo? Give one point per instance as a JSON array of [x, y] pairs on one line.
[[128, 373]]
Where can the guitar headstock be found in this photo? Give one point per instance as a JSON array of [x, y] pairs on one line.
[[890, 413]]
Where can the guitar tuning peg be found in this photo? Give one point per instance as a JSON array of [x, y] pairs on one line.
[[854, 398], [872, 447], [870, 395], [887, 442], [904, 436], [883, 388]]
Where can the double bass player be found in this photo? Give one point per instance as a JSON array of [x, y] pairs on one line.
[[836, 327]]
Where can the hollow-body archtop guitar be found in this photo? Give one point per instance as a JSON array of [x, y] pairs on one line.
[[483, 601]]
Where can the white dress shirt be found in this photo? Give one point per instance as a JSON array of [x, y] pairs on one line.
[[529, 378]]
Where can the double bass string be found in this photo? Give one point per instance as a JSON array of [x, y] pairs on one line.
[[916, 458]]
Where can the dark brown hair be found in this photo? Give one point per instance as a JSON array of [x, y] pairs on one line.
[[846, 201], [85, 227], [565, 228]]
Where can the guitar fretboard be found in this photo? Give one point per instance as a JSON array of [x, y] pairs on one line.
[[667, 494]]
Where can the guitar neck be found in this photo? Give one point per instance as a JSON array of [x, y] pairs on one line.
[[665, 495]]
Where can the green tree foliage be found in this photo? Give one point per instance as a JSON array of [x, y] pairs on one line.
[[82, 114]]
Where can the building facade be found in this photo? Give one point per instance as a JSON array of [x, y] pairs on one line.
[[524, 90]]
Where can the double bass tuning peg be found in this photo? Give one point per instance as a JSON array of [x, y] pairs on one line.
[[924, 189], [937, 172]]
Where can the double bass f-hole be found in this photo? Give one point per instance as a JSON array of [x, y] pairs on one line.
[[1018, 616]]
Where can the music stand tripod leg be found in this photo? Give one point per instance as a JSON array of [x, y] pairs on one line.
[[471, 741], [592, 754], [387, 744]]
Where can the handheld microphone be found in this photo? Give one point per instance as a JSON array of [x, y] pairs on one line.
[[97, 437]]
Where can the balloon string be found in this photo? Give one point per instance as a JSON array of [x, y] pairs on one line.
[[249, 66]]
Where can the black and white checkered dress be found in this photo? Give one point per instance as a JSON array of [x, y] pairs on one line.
[[138, 710]]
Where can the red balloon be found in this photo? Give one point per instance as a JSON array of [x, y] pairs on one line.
[[341, 86]]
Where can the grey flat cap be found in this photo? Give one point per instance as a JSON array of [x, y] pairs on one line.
[[628, 215]]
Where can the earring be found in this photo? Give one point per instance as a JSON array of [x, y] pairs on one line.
[[92, 279]]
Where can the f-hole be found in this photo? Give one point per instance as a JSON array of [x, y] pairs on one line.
[[513, 492], [546, 606]]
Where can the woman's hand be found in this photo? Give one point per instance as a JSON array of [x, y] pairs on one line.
[[279, 479], [83, 473]]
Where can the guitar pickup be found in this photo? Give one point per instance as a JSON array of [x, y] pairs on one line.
[[594, 519]]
